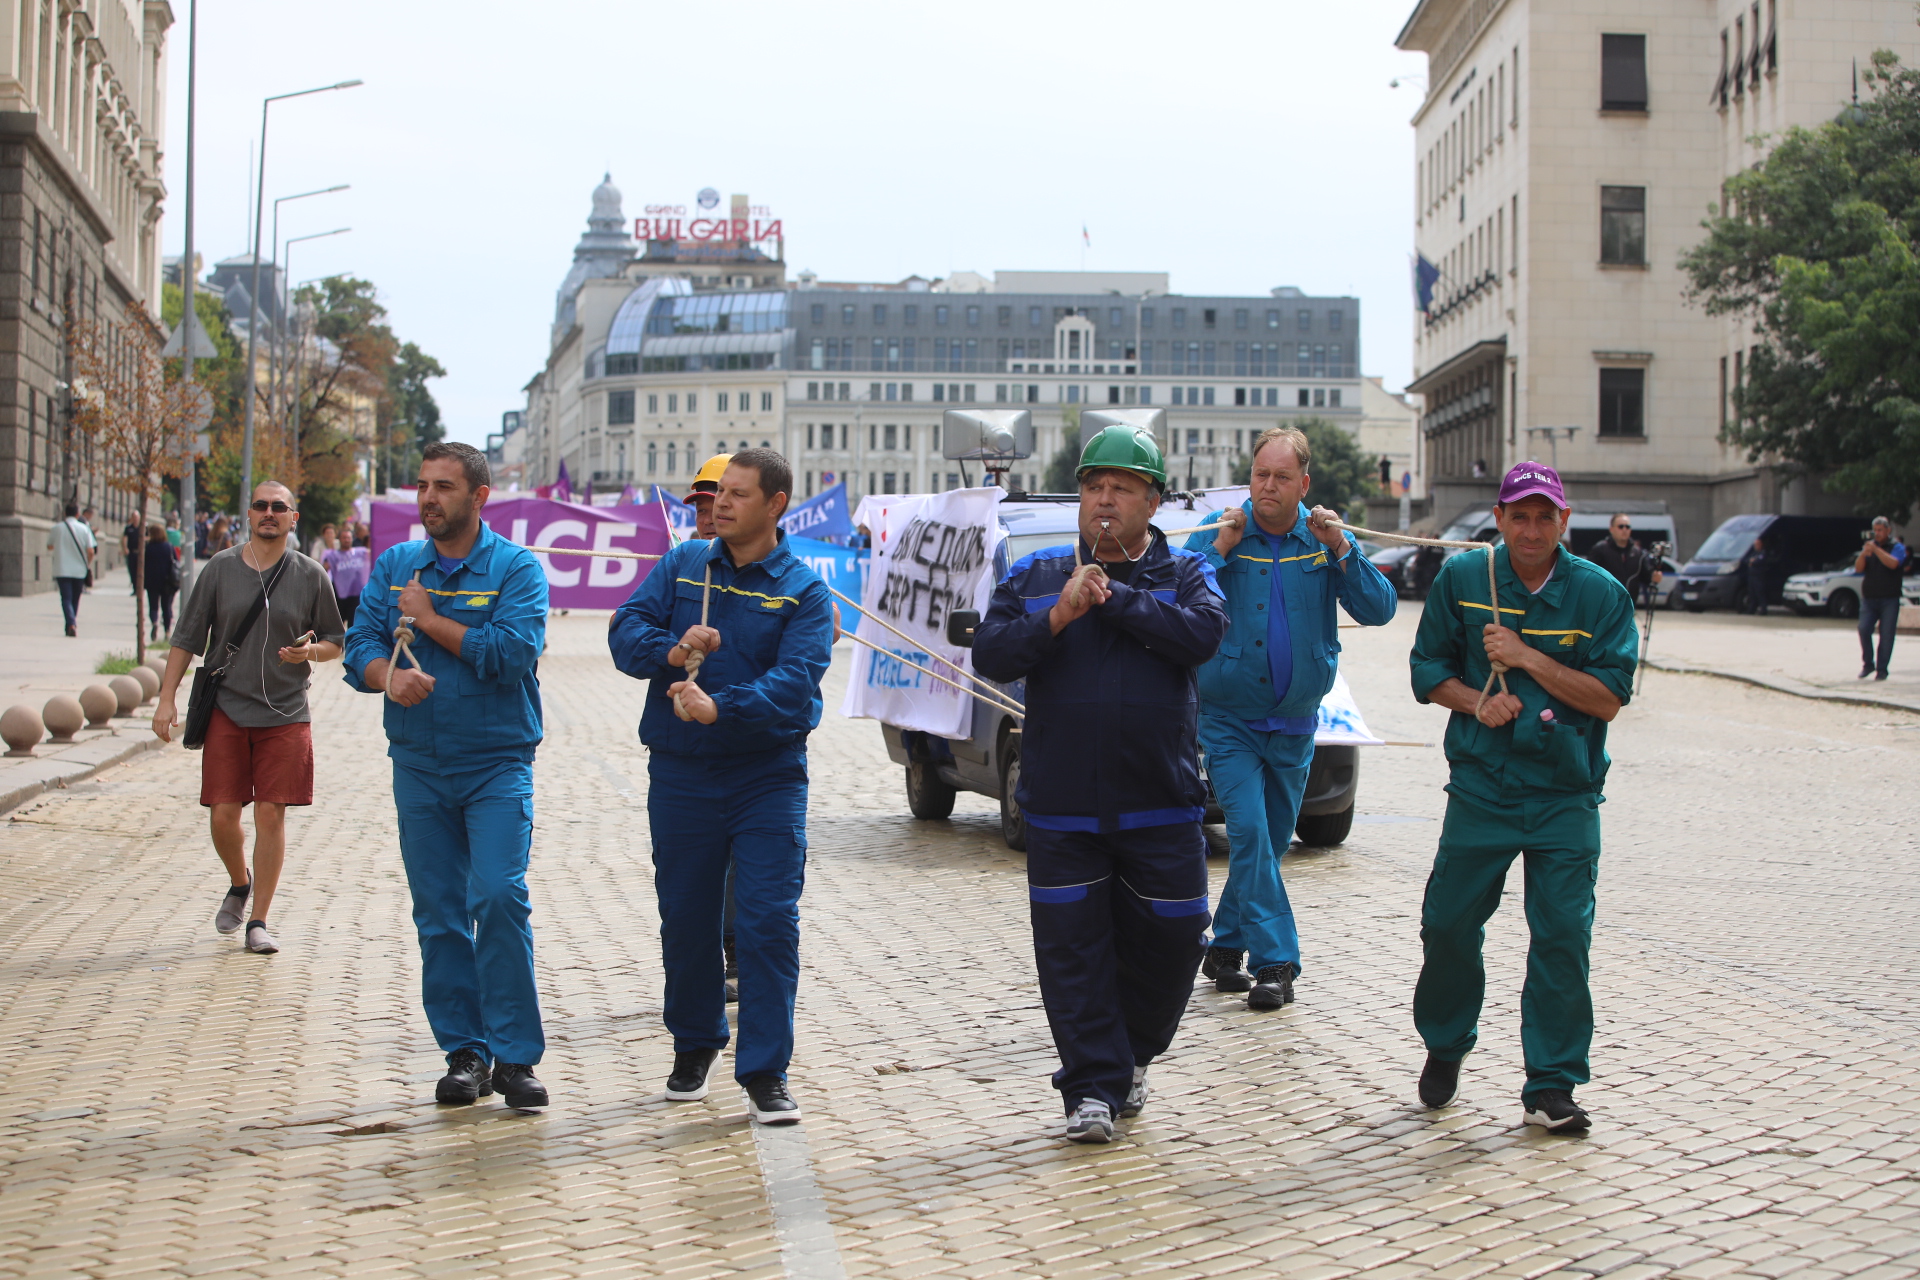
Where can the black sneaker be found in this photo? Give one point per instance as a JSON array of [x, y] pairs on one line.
[[733, 972], [1273, 986], [1227, 966], [768, 1100], [467, 1079], [515, 1084], [1439, 1082], [1866, 670], [1555, 1111], [688, 1083]]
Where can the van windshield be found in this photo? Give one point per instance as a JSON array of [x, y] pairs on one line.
[[1465, 527], [1731, 540]]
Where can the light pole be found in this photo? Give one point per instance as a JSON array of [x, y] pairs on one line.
[[294, 359], [1553, 440], [253, 302], [187, 495], [277, 362]]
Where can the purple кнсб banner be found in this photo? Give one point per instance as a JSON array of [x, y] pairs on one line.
[[573, 582]]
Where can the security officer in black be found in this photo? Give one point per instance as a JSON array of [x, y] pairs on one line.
[[1108, 634], [1626, 559]]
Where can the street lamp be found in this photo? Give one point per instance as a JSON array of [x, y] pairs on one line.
[[253, 303], [294, 359], [276, 362], [1553, 440]]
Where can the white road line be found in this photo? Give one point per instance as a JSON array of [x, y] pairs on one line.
[[808, 1249]]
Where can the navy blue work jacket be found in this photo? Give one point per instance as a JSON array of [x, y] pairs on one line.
[[775, 620], [1236, 681], [485, 704], [1111, 736]]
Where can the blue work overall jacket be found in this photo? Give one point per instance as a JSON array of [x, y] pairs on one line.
[[485, 704], [775, 620], [1110, 737]]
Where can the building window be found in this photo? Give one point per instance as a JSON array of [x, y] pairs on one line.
[[1623, 402], [1623, 226], [653, 459], [1146, 395], [1623, 73], [939, 391], [846, 313], [1273, 398], [1113, 395], [910, 314], [973, 317], [1146, 317], [692, 400], [721, 404], [1178, 396], [673, 402], [1179, 317], [1303, 321], [1206, 395], [1333, 398], [940, 315], [1240, 318], [1273, 318], [1306, 399], [653, 404], [1207, 317], [1319, 397], [1207, 357], [967, 393], [766, 402], [819, 312], [672, 460], [879, 313], [1334, 320], [1003, 316], [1240, 396]]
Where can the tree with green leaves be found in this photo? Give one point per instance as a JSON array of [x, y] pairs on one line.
[[1815, 249]]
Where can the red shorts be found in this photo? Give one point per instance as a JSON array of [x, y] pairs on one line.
[[239, 766]]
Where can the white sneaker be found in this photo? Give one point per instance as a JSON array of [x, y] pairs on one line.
[[233, 909], [1090, 1122], [1136, 1096], [259, 941]]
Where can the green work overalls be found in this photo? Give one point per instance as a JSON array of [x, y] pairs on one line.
[[1530, 787]]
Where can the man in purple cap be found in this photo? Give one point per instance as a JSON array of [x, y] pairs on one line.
[[1527, 762]]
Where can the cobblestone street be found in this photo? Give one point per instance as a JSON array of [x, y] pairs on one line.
[[176, 1107]]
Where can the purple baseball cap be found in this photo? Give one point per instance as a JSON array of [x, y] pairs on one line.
[[1530, 478]]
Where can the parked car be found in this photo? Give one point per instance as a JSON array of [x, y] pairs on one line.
[[987, 760], [1794, 545], [1835, 590]]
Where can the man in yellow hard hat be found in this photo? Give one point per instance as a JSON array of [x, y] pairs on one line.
[[700, 493]]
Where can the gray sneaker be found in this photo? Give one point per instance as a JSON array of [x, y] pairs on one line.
[[1090, 1122], [259, 941], [1137, 1095], [233, 909]]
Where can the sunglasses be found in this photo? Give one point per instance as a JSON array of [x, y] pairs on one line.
[[278, 508]]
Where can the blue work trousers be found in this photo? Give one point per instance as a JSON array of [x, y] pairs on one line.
[[466, 839], [1260, 778], [1884, 613], [1118, 928], [701, 808]]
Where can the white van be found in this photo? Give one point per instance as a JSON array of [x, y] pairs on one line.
[[1652, 523]]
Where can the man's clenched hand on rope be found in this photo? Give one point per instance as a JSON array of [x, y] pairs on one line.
[[690, 701], [1322, 522]]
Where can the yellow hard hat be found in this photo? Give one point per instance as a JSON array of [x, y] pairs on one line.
[[707, 481]]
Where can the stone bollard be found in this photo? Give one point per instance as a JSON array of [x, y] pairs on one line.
[[100, 704], [158, 663], [149, 682], [63, 716], [21, 728], [128, 692]]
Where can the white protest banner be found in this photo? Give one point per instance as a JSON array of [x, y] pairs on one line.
[[932, 554], [1340, 721]]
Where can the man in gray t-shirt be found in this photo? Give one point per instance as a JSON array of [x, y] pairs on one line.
[[259, 745]]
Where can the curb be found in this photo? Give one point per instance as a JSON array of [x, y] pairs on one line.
[[1792, 688], [74, 766]]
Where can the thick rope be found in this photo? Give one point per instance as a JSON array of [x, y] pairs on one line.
[[1008, 704], [402, 637], [695, 657], [862, 610]]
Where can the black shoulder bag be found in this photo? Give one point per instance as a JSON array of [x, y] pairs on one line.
[[206, 681]]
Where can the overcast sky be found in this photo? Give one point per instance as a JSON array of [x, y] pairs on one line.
[[1237, 146]]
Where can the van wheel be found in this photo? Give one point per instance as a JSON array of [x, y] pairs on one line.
[[1324, 830], [1013, 823], [928, 796], [1844, 604]]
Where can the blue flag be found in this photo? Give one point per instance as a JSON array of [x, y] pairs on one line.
[[824, 516], [680, 517], [1425, 276], [842, 568]]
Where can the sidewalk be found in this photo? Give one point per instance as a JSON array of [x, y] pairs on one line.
[[37, 661], [1806, 657]]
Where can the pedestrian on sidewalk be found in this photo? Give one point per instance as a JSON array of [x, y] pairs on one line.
[[1527, 766], [219, 537], [1110, 774], [1285, 572], [73, 546], [463, 722], [162, 581], [348, 564], [728, 768], [1880, 564], [130, 537], [1626, 559], [259, 744]]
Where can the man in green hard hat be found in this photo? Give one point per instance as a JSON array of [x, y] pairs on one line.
[[1107, 633]]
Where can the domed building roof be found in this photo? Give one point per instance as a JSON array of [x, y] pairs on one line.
[[603, 251]]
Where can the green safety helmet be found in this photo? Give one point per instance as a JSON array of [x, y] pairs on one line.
[[1130, 449]]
